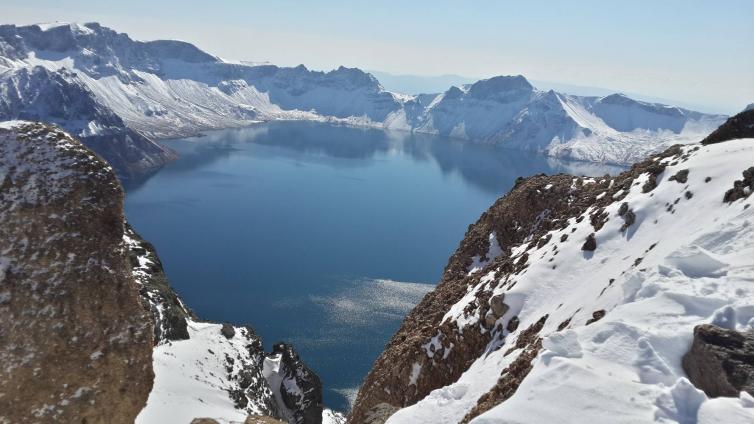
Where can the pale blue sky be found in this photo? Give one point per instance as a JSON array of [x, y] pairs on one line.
[[699, 52]]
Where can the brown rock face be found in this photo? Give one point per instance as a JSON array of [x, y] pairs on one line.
[[738, 126], [720, 361], [76, 343]]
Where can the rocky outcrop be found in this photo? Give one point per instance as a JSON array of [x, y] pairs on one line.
[[76, 343], [513, 375], [721, 361], [297, 388], [741, 188], [437, 342], [169, 313], [293, 394], [738, 126]]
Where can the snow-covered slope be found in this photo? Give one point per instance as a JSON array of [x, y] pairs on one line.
[[575, 300], [163, 89]]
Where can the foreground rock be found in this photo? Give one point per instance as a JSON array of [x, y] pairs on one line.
[[75, 341], [721, 361]]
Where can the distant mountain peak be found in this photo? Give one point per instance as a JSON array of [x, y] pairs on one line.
[[453, 93], [617, 99], [500, 85]]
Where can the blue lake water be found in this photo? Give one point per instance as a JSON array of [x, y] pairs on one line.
[[324, 236]]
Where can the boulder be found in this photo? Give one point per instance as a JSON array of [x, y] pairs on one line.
[[596, 316], [680, 177], [513, 324], [721, 361], [590, 244], [498, 306], [629, 218], [741, 188], [228, 331], [76, 340]]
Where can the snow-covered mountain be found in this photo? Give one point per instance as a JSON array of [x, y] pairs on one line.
[[511, 112], [623, 299], [119, 94], [106, 88]]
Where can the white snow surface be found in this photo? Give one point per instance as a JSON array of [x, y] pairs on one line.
[[174, 89], [626, 367], [190, 377]]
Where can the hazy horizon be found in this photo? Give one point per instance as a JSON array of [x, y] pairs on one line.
[[693, 53]]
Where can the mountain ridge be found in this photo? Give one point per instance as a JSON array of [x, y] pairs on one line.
[[167, 89]]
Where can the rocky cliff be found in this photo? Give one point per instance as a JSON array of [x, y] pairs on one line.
[[92, 330], [575, 299], [76, 343]]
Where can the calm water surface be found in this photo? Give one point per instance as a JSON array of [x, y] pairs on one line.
[[320, 235]]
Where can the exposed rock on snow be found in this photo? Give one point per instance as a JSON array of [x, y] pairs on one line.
[[507, 110], [600, 334], [721, 361], [738, 126], [741, 188], [297, 389], [590, 244], [209, 375], [169, 313], [117, 94], [216, 370], [76, 343]]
